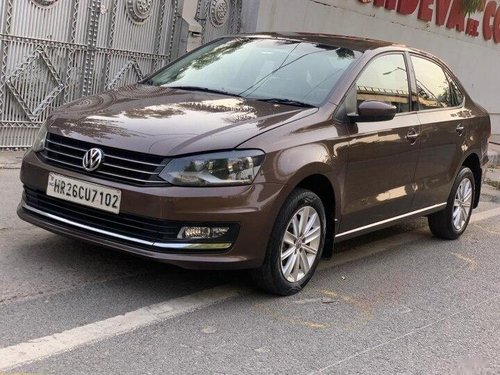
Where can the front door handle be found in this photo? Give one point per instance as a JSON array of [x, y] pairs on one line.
[[460, 129], [412, 136]]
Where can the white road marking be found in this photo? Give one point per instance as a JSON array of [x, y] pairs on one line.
[[48, 346], [44, 347]]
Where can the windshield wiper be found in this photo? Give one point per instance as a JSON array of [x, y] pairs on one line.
[[202, 89], [295, 103]]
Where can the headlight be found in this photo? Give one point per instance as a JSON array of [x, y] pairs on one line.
[[39, 143], [216, 169]]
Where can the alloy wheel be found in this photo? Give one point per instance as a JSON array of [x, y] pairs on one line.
[[462, 204], [300, 243]]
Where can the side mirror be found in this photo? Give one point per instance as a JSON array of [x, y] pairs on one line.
[[371, 110]]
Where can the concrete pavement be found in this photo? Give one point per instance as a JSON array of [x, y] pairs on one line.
[[389, 301], [11, 159], [396, 300]]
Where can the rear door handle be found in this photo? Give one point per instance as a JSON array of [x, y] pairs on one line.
[[460, 129], [412, 136]]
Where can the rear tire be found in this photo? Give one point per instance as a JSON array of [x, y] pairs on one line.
[[451, 222], [295, 246]]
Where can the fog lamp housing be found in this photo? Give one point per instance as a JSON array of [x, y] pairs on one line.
[[201, 233]]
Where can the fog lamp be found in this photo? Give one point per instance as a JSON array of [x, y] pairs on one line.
[[197, 233]]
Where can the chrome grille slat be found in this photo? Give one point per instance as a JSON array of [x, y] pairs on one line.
[[118, 164], [60, 144], [128, 169], [63, 162], [63, 153], [130, 178], [135, 161]]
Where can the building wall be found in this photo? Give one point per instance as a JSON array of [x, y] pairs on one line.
[[475, 60]]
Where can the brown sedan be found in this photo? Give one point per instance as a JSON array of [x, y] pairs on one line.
[[258, 151]]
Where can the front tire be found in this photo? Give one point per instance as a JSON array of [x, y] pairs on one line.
[[295, 245], [451, 222]]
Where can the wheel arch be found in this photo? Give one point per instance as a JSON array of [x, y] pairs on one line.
[[320, 184], [473, 162], [314, 167]]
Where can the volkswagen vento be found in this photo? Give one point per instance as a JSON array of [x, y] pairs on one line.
[[259, 152]]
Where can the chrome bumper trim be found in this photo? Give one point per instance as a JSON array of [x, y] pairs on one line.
[[161, 245]]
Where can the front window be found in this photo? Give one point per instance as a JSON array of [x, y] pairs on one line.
[[385, 80], [263, 69]]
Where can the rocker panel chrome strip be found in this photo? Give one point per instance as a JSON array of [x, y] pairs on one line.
[[389, 220]]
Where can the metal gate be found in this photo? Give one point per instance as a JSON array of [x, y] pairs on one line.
[[54, 51], [219, 18]]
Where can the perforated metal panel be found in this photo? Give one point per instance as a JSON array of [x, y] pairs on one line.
[[54, 51], [219, 18]]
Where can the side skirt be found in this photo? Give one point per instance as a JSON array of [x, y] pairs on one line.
[[388, 222]]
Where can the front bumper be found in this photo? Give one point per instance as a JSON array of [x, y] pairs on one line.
[[252, 208]]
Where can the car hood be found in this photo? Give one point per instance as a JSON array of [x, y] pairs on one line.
[[169, 122]]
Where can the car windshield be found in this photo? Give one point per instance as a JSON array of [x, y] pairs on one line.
[[277, 70]]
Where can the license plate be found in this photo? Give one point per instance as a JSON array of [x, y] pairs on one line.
[[84, 193]]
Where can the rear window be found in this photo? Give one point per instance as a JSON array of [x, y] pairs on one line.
[[432, 85], [457, 97]]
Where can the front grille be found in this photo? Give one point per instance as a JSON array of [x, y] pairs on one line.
[[118, 165]]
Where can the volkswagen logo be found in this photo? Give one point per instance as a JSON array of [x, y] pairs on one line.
[[92, 159]]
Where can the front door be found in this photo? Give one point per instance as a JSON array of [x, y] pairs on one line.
[[379, 182]]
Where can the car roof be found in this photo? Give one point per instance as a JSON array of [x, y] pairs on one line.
[[341, 41]]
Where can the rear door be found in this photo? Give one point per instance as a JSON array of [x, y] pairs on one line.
[[382, 155], [443, 121]]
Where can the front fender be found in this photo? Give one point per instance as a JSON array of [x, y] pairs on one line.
[[292, 166]]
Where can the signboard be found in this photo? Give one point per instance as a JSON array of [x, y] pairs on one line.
[[449, 14]]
